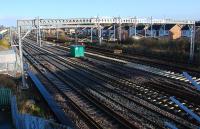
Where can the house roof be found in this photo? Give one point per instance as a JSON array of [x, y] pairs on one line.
[[155, 27], [186, 27], [197, 23], [140, 27], [106, 27], [168, 26], [126, 27], [112, 28]]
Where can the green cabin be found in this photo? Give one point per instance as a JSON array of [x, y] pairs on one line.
[[77, 50]]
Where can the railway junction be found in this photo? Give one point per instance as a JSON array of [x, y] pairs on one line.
[[88, 87]]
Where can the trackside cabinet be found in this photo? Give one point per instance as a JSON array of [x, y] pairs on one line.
[[77, 50]]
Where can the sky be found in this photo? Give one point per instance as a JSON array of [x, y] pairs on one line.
[[11, 10]]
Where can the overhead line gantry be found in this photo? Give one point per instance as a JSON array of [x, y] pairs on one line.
[[95, 22]]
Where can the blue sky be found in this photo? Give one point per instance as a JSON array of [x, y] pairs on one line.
[[10, 10]]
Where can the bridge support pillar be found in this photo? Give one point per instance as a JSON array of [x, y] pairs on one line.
[[192, 42], [114, 35], [120, 32], [99, 33], [151, 27], [91, 35]]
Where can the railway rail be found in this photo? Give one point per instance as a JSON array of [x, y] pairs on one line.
[[170, 71], [160, 70], [170, 82], [148, 61], [97, 114], [94, 93], [174, 76]]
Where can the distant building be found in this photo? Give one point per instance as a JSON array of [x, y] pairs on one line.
[[197, 36], [3, 33], [186, 31], [72, 31], [125, 32], [165, 29], [139, 30], [197, 23], [108, 32], [153, 30], [170, 31], [85, 31]]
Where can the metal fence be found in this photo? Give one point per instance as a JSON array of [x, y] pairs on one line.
[[26, 121], [14, 111], [5, 95], [9, 63]]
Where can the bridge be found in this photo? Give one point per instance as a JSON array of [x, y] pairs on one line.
[[94, 21]]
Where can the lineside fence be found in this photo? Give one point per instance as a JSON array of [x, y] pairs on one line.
[[25, 121]]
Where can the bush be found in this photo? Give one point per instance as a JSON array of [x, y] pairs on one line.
[[128, 41], [170, 50], [153, 44], [7, 81], [4, 43]]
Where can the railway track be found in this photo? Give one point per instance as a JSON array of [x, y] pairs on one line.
[[176, 79], [147, 61], [172, 72], [170, 67], [112, 93], [66, 105], [118, 110], [172, 86], [104, 119]]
